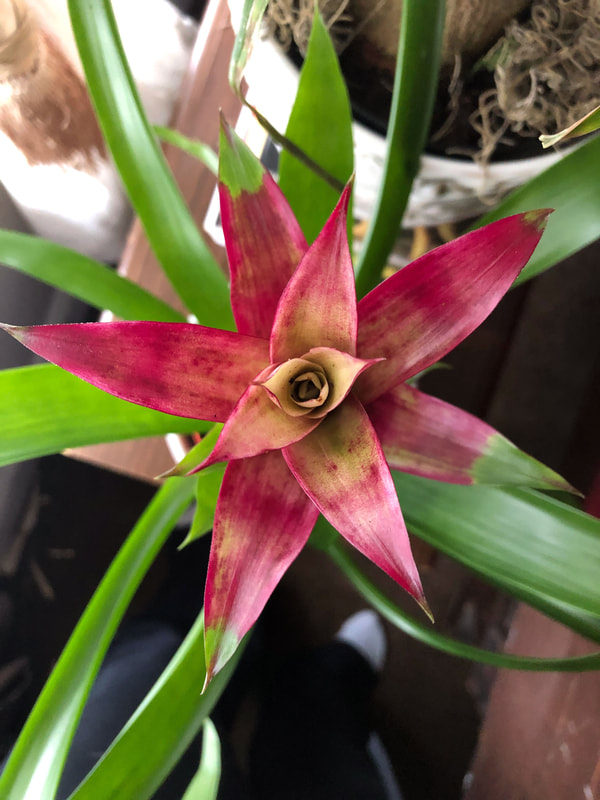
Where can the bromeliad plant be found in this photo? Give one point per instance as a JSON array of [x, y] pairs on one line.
[[312, 411], [312, 391]]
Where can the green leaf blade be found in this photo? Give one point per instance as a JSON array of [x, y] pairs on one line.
[[415, 85], [192, 147], [34, 768], [82, 277], [251, 16], [570, 186], [587, 124], [530, 544], [429, 636], [139, 760], [321, 125], [205, 783], [44, 410], [169, 226]]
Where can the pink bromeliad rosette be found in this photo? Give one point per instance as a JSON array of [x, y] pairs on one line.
[[312, 388]]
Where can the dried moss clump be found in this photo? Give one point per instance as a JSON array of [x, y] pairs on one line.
[[291, 20], [547, 72]]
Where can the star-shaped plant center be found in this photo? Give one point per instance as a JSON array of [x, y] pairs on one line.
[[312, 388]]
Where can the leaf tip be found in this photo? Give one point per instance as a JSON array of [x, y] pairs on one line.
[[537, 219], [220, 643], [422, 601], [15, 331], [239, 169]]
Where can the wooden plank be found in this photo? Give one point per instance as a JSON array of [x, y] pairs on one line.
[[204, 92], [541, 734], [541, 737]]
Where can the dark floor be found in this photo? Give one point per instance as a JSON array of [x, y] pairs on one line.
[[425, 707]]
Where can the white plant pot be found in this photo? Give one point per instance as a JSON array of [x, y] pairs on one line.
[[445, 190]]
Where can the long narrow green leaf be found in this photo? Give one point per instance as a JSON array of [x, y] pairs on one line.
[[252, 14], [521, 540], [208, 486], [44, 410], [192, 147], [431, 637], [205, 783], [161, 729], [571, 186], [171, 230], [321, 124], [415, 84], [82, 277], [35, 765], [587, 124]]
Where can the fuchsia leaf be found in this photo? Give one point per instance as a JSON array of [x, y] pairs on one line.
[[341, 467], [264, 242], [420, 313], [318, 306], [428, 437], [187, 370], [263, 520]]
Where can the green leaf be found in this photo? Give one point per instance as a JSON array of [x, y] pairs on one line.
[[36, 762], [321, 125], [532, 545], [252, 14], [82, 277], [205, 783], [193, 147], [428, 635], [207, 494], [587, 124], [415, 85], [571, 186], [208, 487], [44, 410], [169, 226], [240, 171], [161, 729]]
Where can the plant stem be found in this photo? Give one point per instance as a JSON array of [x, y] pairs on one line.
[[415, 84]]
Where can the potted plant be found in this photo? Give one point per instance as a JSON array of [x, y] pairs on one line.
[[294, 368], [505, 77]]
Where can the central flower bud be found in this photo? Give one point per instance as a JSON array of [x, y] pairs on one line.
[[309, 389], [314, 384], [298, 386]]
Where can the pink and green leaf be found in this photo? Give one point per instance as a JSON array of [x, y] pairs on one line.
[[264, 242], [318, 306], [342, 469], [263, 521], [415, 317], [187, 370], [428, 437]]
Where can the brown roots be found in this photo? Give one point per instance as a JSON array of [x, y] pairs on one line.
[[547, 73]]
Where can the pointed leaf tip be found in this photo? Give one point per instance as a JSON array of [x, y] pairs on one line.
[[219, 646], [538, 219], [425, 607], [239, 169], [15, 331]]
